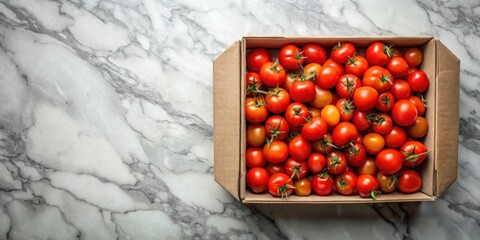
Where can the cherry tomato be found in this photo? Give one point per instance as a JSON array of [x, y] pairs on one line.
[[327, 77], [256, 58], [277, 100], [314, 112], [365, 98], [356, 154], [382, 124], [280, 185], [373, 143], [339, 67], [343, 133], [255, 110], [322, 184], [368, 167], [314, 53], [342, 51], [418, 81], [272, 74], [257, 179], [323, 145], [378, 54], [303, 91], [345, 108], [400, 89], [316, 162], [311, 70], [296, 114], [367, 186], [404, 113], [331, 114], [300, 148], [413, 56], [420, 104], [398, 67], [413, 153], [303, 187], [322, 97], [345, 183], [256, 135], [314, 129], [276, 152], [386, 182], [291, 57], [356, 65], [253, 83], [378, 78], [346, 86], [277, 127], [296, 169], [273, 168], [409, 181], [395, 138], [254, 157], [389, 161], [385, 102], [397, 52], [290, 78], [419, 129], [336, 162], [362, 120]]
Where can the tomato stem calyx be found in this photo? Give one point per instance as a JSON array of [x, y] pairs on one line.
[[375, 194]]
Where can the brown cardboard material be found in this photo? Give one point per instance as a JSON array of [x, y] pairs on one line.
[[438, 171]]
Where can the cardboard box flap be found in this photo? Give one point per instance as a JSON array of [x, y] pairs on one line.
[[226, 88], [447, 97]]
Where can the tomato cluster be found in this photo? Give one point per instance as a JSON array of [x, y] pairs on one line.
[[349, 123]]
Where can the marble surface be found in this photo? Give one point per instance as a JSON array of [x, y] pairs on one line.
[[106, 119]]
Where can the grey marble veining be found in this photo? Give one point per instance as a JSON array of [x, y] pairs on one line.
[[106, 119]]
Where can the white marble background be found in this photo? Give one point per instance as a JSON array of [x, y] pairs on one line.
[[106, 119]]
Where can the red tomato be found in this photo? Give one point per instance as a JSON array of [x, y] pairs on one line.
[[404, 113], [398, 67], [356, 154], [418, 81], [413, 56], [368, 167], [314, 53], [397, 52], [382, 124], [314, 129], [362, 120], [276, 152], [345, 108], [300, 148], [365, 98], [280, 185], [296, 169], [413, 153], [346, 86], [291, 57], [322, 184], [256, 135], [303, 187], [343, 133], [367, 186], [277, 127], [342, 51], [409, 181], [273, 168], [272, 74], [322, 97], [296, 114], [290, 78], [257, 179], [389, 161], [385, 102], [323, 145], [254, 157], [256, 59], [303, 91], [395, 138], [255, 110], [356, 65], [345, 183], [316, 162], [277, 100], [378, 78], [339, 67], [327, 77], [400, 89], [336, 162], [419, 103], [253, 83], [378, 54]]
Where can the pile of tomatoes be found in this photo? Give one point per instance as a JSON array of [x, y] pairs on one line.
[[350, 123]]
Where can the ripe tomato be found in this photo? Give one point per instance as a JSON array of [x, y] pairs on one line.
[[322, 97], [400, 89], [327, 77], [386, 182], [395, 138], [324, 145], [413, 153], [296, 169], [331, 115], [367, 186], [277, 127], [314, 53], [291, 57], [378, 54], [257, 179], [419, 103], [273, 168], [336, 162], [277, 100], [311, 70], [365, 98], [362, 120], [255, 110], [345, 108], [385, 102], [343, 133], [256, 58], [389, 161], [356, 65], [409, 181], [303, 91], [322, 184], [345, 183], [368, 167], [404, 113], [253, 83], [256, 135], [303, 187], [280, 185], [254, 157], [314, 129], [382, 124], [314, 112], [316, 162], [413, 56], [272, 74], [373, 143], [356, 154], [418, 81], [339, 67], [300, 148], [398, 67], [296, 114], [419, 129], [346, 86], [397, 52], [378, 78], [342, 51], [277, 152], [290, 78]]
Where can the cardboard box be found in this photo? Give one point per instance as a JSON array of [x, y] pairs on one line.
[[439, 170]]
